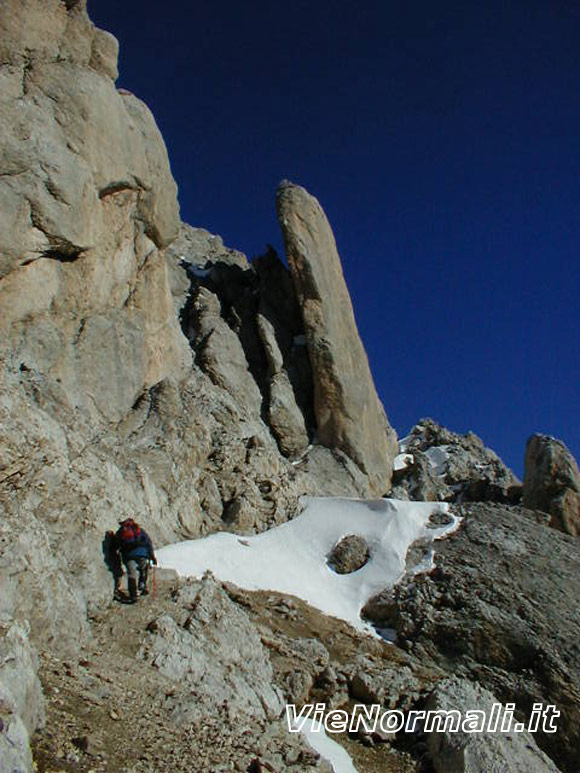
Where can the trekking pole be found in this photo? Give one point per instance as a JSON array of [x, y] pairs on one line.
[[154, 580]]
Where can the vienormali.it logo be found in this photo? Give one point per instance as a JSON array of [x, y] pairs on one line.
[[500, 719]]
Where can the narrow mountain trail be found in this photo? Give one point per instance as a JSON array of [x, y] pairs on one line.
[[108, 710], [105, 708]]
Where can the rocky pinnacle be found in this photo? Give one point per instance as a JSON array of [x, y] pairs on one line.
[[349, 414]]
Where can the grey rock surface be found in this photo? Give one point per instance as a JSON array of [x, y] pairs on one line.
[[15, 754], [109, 709], [447, 466], [221, 355], [309, 658], [497, 610], [284, 415], [349, 414], [552, 482], [390, 686], [218, 652], [21, 699], [199, 249], [256, 322], [462, 752]]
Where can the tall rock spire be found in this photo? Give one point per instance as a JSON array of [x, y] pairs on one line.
[[349, 414]]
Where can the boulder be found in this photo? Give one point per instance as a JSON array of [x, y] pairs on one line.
[[217, 651], [552, 482], [349, 554], [349, 414], [469, 752]]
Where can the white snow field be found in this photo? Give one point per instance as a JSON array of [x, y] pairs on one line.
[[292, 558]]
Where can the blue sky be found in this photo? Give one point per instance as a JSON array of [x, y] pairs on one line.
[[442, 139]]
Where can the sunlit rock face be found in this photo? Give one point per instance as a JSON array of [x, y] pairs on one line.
[[552, 482], [349, 414], [127, 387]]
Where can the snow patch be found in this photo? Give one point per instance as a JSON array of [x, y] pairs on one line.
[[327, 748], [402, 461], [291, 558]]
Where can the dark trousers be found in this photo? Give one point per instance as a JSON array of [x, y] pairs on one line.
[[137, 567]]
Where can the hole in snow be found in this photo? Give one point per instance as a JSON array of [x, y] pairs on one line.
[[349, 554], [438, 519]]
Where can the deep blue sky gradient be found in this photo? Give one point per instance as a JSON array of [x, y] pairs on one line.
[[442, 139]]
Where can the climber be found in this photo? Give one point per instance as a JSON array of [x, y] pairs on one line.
[[136, 549]]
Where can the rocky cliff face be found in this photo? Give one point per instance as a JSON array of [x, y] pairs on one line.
[[349, 414], [497, 611], [170, 383], [87, 326]]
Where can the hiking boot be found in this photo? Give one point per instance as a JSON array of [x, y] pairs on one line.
[[119, 595], [143, 591]]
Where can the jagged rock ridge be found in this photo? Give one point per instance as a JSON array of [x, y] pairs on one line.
[[437, 464]]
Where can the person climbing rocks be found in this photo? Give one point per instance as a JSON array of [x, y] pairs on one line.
[[136, 549]]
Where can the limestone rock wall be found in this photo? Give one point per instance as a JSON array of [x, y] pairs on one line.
[[128, 386], [87, 322], [87, 200], [21, 699], [349, 414]]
